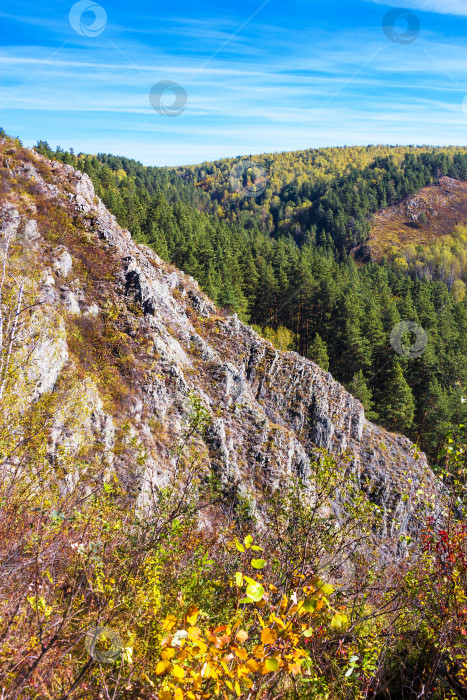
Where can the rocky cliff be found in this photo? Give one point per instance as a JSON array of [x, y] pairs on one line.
[[123, 340]]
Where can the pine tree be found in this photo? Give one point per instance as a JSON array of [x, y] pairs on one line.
[[318, 352], [399, 404], [358, 388]]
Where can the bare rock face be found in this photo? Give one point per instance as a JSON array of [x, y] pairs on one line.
[[143, 338]]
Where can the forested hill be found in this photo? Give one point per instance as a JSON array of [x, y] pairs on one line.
[[332, 190], [272, 245]]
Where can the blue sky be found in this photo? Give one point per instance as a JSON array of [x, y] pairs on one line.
[[259, 76]]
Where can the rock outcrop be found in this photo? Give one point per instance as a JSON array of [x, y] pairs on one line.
[[127, 339]]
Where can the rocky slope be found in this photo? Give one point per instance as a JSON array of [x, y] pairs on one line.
[[123, 340], [419, 219]]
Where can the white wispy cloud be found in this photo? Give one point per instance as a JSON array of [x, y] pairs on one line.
[[445, 7]]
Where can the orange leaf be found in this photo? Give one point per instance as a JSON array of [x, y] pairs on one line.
[[268, 636], [241, 636]]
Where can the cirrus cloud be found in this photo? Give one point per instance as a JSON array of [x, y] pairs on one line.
[[445, 7]]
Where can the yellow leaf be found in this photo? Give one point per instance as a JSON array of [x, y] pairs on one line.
[[268, 636], [168, 653], [252, 665], [147, 679], [178, 672], [169, 622], [229, 685], [237, 688], [162, 667], [226, 669], [165, 695], [242, 654], [242, 670], [197, 680], [178, 695], [200, 648], [241, 636], [192, 615]]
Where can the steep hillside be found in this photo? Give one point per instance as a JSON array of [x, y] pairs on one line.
[[125, 340]]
